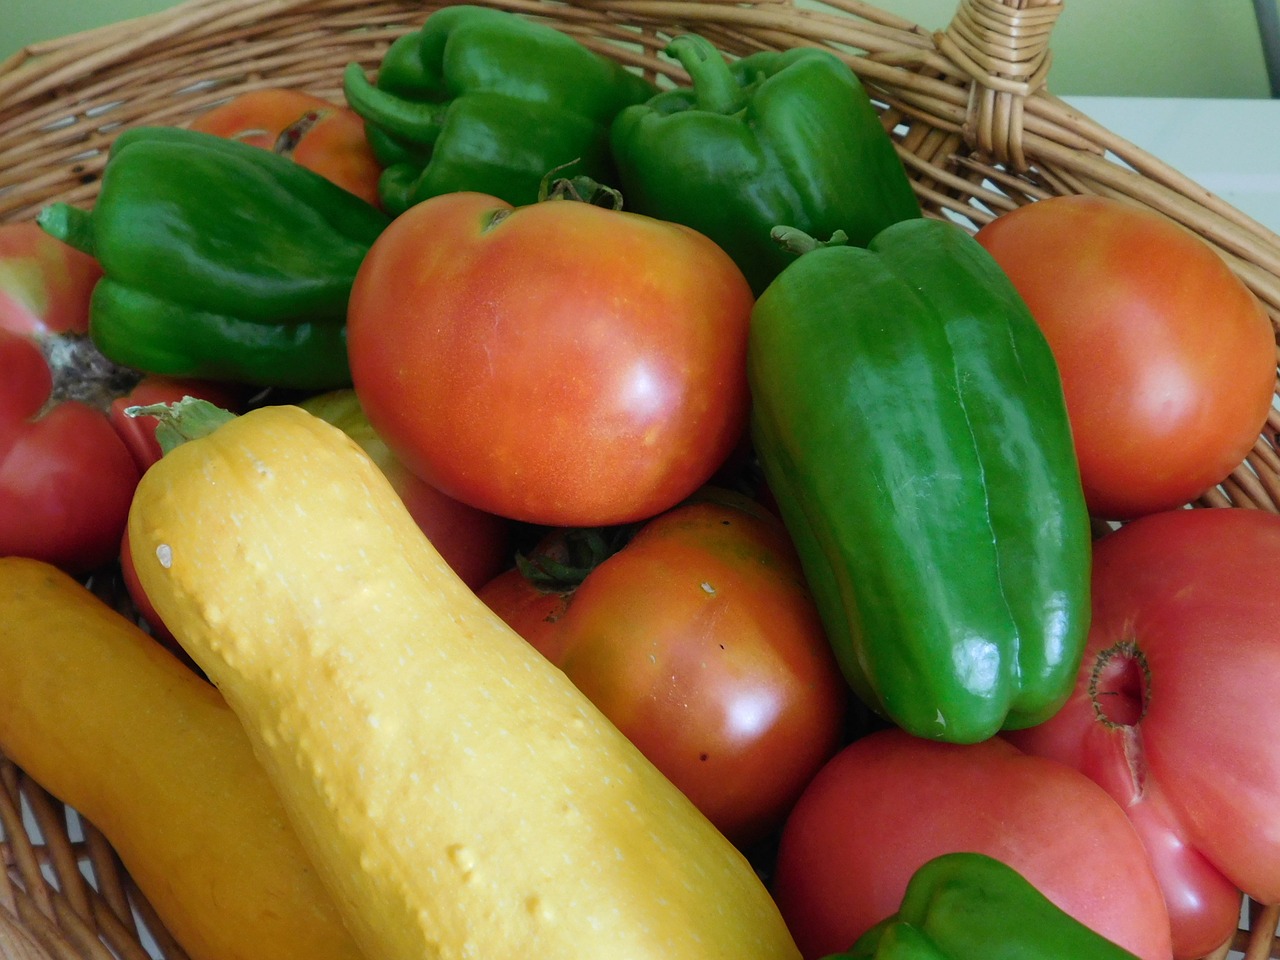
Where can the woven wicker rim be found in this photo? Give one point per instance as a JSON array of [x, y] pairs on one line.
[[969, 108]]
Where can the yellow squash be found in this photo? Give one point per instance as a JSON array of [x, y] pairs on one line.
[[107, 720], [459, 796]]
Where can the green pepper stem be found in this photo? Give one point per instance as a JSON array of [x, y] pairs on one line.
[[408, 119], [714, 85], [188, 419], [795, 240], [69, 224]]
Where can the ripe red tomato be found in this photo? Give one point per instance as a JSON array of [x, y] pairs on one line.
[[889, 802], [66, 477], [1175, 710], [558, 363], [321, 136], [1167, 359], [699, 640]]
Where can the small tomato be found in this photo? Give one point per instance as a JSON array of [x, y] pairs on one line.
[[699, 640]]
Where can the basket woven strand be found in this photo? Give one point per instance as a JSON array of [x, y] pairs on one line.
[[969, 108]]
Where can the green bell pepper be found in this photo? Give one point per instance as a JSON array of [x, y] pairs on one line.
[[968, 906], [486, 100], [220, 261], [774, 138], [909, 419]]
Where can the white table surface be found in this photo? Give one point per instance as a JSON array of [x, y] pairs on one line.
[[1230, 147]]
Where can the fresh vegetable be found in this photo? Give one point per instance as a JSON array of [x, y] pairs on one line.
[[967, 906], [477, 545], [1174, 710], [458, 795], [559, 363], [1168, 361], [44, 284], [699, 640], [66, 476], [911, 426], [222, 261], [529, 606], [485, 100], [889, 803], [307, 129], [778, 137], [110, 723]]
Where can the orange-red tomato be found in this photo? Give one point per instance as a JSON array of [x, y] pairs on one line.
[[699, 640], [529, 610], [559, 363], [1168, 361], [319, 135]]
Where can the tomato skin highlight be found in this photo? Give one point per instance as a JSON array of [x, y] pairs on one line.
[[889, 802], [559, 363], [1186, 601], [1167, 359]]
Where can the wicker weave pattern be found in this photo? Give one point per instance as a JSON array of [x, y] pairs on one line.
[[969, 107]]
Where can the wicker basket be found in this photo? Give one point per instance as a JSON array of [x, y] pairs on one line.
[[975, 126]]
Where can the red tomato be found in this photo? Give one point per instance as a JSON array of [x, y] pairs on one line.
[[66, 477], [1175, 710], [319, 135], [530, 611], [1168, 361], [558, 363], [890, 802], [44, 283], [475, 544], [699, 640]]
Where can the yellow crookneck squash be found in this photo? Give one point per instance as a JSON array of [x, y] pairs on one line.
[[108, 721], [459, 796]]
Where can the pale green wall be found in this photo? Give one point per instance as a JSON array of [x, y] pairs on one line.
[[1200, 48]]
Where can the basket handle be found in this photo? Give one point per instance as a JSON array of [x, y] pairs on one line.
[[1003, 45]]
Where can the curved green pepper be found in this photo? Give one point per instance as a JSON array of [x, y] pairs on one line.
[[220, 261], [969, 906], [486, 100], [909, 419], [774, 138]]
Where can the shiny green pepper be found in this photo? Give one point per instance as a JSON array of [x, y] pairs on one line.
[[220, 261], [775, 138], [909, 418], [968, 906], [486, 100]]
